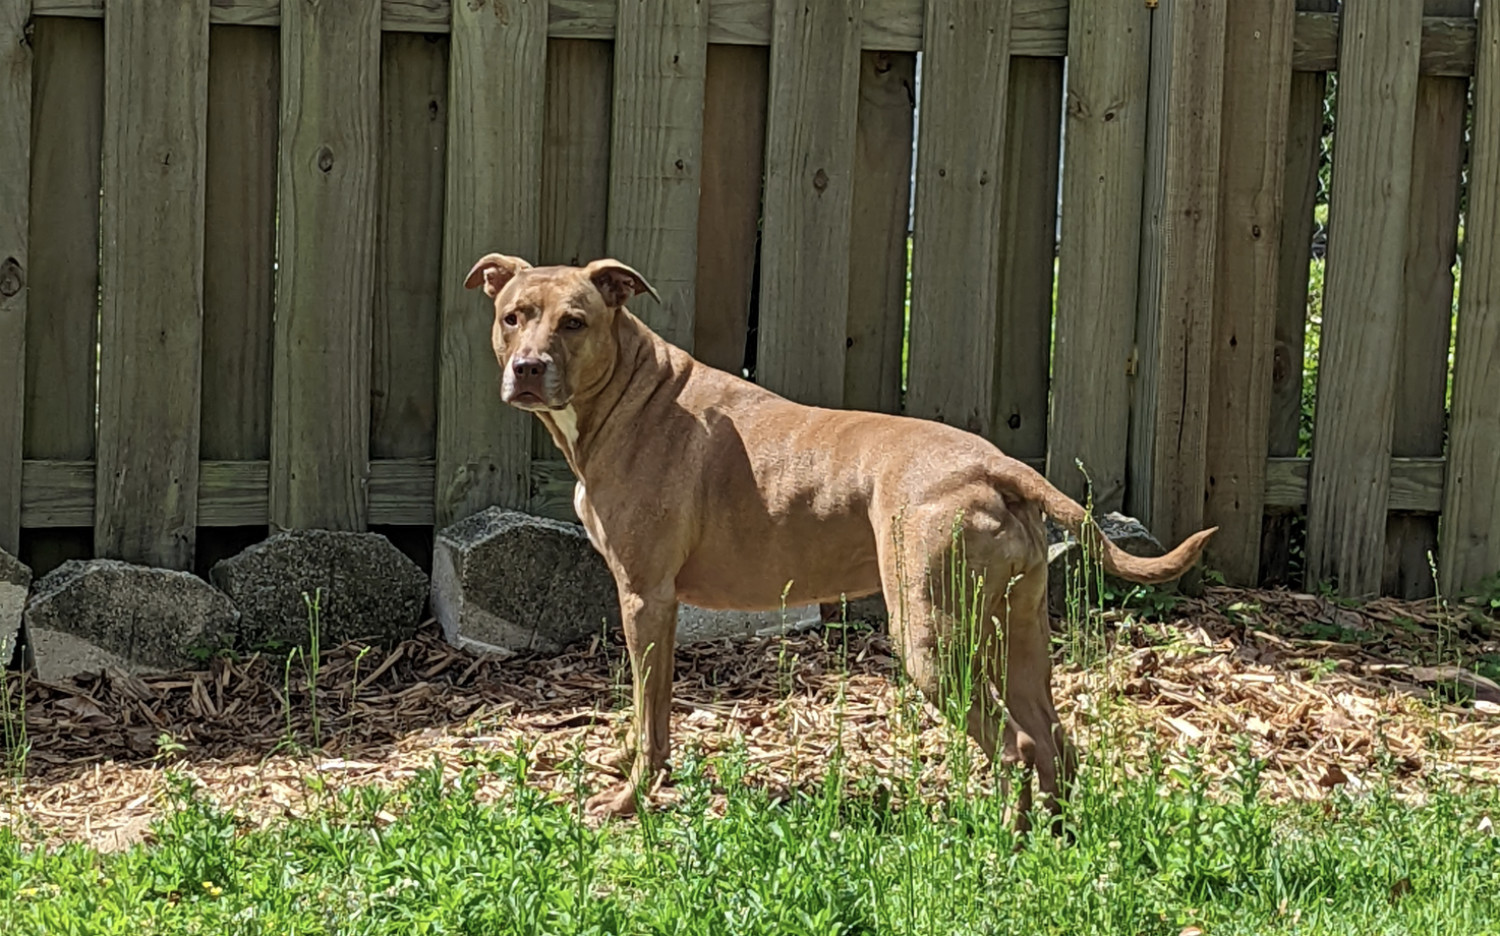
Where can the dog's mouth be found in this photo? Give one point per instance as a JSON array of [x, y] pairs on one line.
[[533, 402]]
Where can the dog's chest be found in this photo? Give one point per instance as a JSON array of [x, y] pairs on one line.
[[587, 516]]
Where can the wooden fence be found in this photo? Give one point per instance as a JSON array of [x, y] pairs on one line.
[[233, 234]]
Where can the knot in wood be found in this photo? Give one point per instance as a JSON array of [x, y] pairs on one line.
[[11, 278], [820, 180], [325, 159]]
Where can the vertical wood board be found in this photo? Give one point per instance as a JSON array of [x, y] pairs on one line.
[[404, 338], [151, 281], [67, 114], [15, 195], [1431, 248], [496, 108], [1349, 484], [661, 52], [729, 205], [1028, 210], [575, 169], [239, 261], [1252, 160], [1104, 162], [880, 219], [1470, 534], [320, 411], [1174, 329], [804, 267], [239, 248], [956, 230]]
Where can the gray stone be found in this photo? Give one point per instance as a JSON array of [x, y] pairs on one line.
[[505, 581], [88, 613], [696, 625], [15, 584], [364, 588], [1065, 557], [870, 609]]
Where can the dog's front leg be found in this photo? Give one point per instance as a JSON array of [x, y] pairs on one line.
[[650, 624]]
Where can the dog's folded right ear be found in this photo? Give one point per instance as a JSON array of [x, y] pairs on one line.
[[494, 271]]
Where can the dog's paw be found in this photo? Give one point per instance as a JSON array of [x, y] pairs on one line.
[[617, 802]]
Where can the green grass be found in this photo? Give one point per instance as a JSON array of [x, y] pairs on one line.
[[1151, 855]]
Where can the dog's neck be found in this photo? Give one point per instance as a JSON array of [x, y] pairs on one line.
[[641, 357]]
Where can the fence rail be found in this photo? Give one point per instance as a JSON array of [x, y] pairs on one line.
[[260, 322]]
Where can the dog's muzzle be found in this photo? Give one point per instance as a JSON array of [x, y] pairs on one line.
[[532, 382]]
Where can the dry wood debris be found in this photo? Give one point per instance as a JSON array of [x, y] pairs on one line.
[[1325, 695]]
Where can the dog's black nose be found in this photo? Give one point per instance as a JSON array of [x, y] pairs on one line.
[[529, 366]]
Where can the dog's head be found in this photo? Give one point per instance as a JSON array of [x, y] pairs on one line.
[[554, 332]]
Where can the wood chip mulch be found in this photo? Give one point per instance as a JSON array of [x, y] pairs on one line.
[[1325, 695]]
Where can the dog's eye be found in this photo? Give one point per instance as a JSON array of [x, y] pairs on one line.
[[510, 320], [573, 324]]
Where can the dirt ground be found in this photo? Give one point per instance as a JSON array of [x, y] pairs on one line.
[[1326, 695]]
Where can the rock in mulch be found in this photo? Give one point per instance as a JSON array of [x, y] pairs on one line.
[[505, 581], [695, 625], [870, 609], [15, 584], [1065, 557], [88, 614], [364, 587]]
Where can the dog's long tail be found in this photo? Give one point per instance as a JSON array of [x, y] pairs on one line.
[[1071, 515]]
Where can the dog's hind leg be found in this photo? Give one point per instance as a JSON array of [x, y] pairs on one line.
[[940, 633], [1034, 736]]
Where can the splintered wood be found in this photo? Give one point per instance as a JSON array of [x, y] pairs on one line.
[[1324, 695]]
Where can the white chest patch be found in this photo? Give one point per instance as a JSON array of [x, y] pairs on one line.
[[585, 515], [567, 424]]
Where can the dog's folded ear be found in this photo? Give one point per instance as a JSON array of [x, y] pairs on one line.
[[494, 271], [617, 283]]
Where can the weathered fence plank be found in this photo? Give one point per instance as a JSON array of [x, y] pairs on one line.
[[408, 285], [1099, 249], [496, 106], [575, 169], [575, 152], [409, 270], [239, 270], [1363, 293], [878, 231], [661, 52], [1470, 544], [734, 153], [1299, 198], [956, 234], [1174, 331], [151, 281], [320, 410], [15, 195], [804, 264], [1427, 312], [67, 120], [239, 279], [1028, 211], [1257, 74]]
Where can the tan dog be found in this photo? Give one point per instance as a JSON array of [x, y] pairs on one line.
[[698, 486]]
